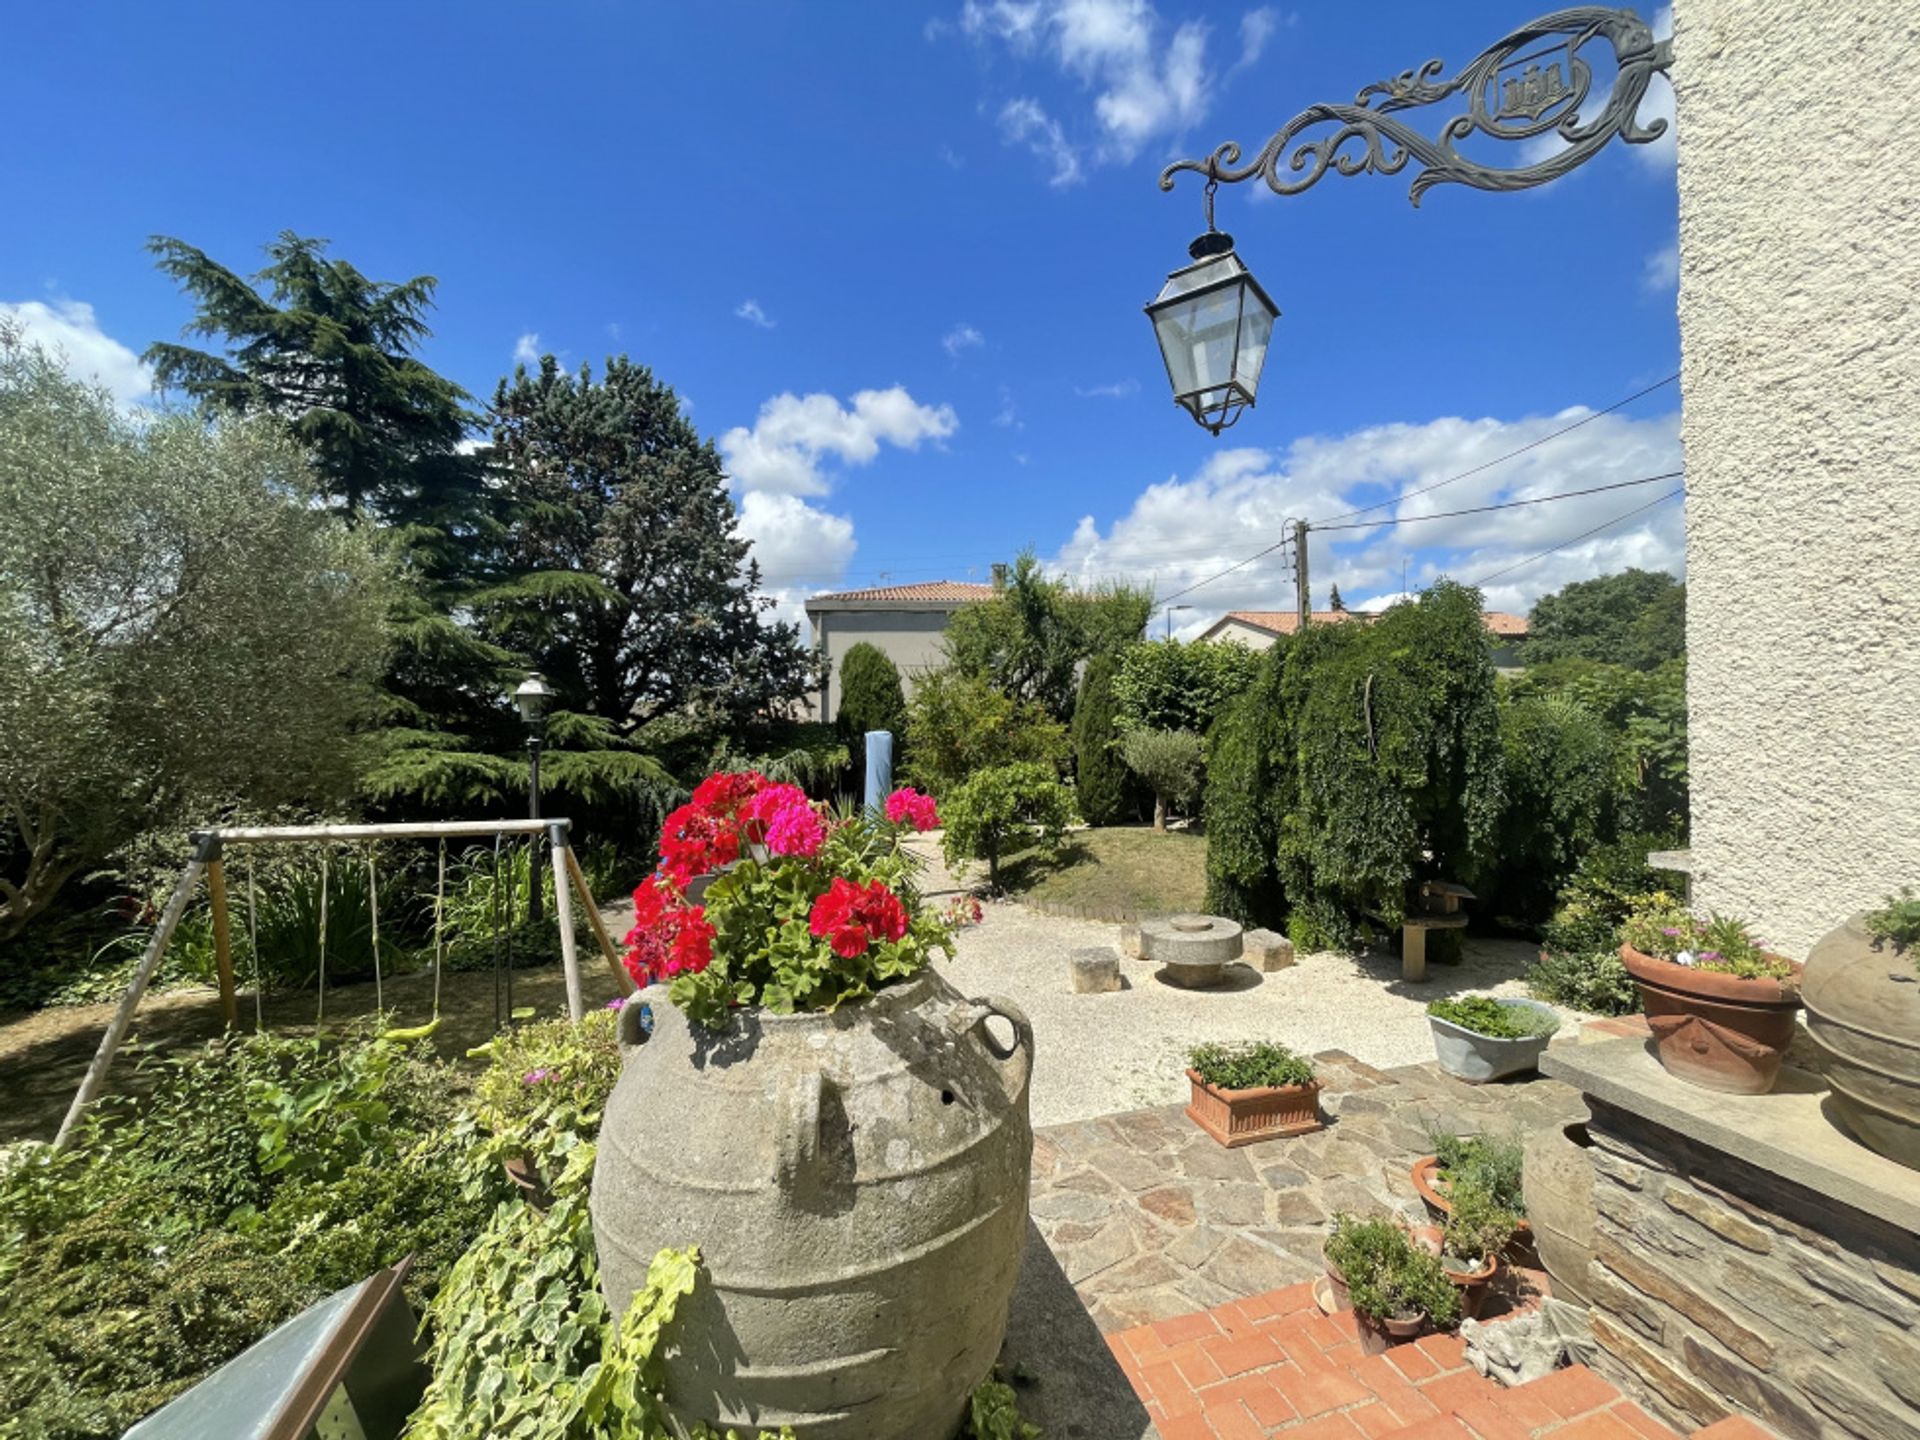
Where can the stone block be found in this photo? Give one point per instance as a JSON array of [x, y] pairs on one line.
[[1265, 950], [1839, 1281], [1773, 1403], [1906, 1281], [1761, 1290], [1130, 941], [1896, 1359], [1717, 1218], [1094, 970], [1663, 1284], [1681, 1396], [1859, 1411]]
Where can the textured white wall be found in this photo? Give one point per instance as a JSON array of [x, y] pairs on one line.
[[1799, 267]]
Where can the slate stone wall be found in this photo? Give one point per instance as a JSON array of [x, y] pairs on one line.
[[1720, 1288]]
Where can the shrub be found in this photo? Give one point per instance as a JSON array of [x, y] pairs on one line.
[[1249, 1066], [1490, 1163], [1564, 780], [1099, 775], [1245, 797], [870, 694], [1486, 1016], [1168, 762], [1165, 685], [958, 725], [1389, 1276], [1592, 980], [1002, 808]]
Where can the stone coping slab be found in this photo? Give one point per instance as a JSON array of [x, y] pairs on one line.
[[1789, 1132]]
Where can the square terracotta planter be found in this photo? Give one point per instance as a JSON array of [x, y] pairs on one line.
[[1245, 1117]]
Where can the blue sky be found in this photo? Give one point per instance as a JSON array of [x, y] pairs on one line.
[[894, 256]]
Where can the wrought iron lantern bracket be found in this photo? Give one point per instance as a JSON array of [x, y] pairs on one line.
[[1531, 85]]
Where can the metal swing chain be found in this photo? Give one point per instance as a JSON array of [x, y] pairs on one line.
[[253, 943], [373, 904]]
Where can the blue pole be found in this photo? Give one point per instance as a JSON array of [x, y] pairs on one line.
[[879, 768]]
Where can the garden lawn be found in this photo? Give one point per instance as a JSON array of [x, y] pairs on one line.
[[1116, 872]]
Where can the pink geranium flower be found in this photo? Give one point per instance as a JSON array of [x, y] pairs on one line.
[[910, 808]]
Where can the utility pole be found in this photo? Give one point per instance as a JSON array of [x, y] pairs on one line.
[[1300, 572]]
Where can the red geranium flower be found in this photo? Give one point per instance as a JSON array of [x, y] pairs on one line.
[[669, 937], [850, 916], [724, 793], [694, 842]]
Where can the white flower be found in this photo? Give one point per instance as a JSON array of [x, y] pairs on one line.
[[1685, 957]]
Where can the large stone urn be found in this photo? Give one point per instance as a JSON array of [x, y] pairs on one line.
[[1863, 1010], [857, 1185], [1556, 1179]]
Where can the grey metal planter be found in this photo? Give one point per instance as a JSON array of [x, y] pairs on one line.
[[1475, 1057]]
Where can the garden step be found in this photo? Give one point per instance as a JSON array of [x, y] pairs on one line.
[[1273, 1365]]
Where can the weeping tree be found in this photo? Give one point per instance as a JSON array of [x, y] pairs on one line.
[[1249, 789], [182, 627]]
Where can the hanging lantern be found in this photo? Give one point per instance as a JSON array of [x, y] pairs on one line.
[[1213, 321]]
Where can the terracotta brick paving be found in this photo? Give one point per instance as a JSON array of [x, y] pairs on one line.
[[1273, 1365]]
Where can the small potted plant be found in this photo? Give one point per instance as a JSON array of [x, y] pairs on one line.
[[1395, 1287], [1492, 1163], [1720, 1004], [1485, 1037], [1477, 1230], [1251, 1092]]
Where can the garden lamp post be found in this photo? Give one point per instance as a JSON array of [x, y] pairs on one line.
[[1213, 320], [1170, 610], [533, 699]]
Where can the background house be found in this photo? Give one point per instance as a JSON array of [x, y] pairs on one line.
[[904, 622], [1257, 629]]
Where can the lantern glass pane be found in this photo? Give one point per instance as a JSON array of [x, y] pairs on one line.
[[1256, 329], [1198, 336]]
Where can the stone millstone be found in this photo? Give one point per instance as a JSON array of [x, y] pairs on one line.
[[1193, 951], [1094, 970]]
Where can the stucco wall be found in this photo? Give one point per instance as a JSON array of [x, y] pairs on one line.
[[909, 638], [1799, 264]]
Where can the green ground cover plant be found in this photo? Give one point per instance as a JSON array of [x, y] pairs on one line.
[[1250, 1065], [1897, 923], [1486, 1016]]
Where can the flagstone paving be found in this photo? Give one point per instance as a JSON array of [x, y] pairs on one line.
[[1150, 1218]]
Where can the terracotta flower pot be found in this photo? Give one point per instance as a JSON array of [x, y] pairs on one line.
[[1426, 1180], [1376, 1337], [1719, 1032], [1265, 1112], [1472, 1284]]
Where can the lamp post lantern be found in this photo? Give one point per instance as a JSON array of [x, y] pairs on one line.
[[1170, 610], [533, 699], [1213, 319]]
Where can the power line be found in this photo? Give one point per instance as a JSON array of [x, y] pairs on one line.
[[1501, 460], [1241, 565], [1503, 505], [1584, 535]]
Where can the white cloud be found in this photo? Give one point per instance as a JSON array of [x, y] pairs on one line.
[[800, 548], [1007, 417], [1118, 390], [1663, 268], [782, 452], [1023, 122], [1182, 530], [750, 311], [526, 349], [1148, 83], [70, 330], [962, 337]]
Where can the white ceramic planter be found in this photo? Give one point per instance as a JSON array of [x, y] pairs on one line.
[[1476, 1058]]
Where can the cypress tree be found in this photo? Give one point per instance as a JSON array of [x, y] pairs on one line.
[[1099, 773], [870, 694]]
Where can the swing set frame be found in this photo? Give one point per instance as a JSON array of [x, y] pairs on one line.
[[208, 862]]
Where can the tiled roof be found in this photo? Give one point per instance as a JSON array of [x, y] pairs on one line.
[[1285, 622], [956, 590]]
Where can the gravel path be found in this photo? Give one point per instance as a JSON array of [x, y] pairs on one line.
[[1097, 1054]]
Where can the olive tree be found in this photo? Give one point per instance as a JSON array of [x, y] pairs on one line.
[[1168, 762], [182, 627]]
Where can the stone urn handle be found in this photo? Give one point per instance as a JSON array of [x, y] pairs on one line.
[[1020, 1052], [797, 1145]]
